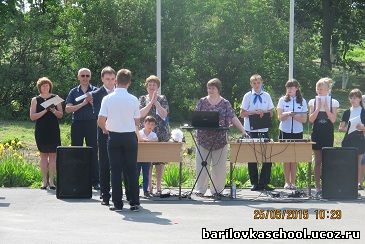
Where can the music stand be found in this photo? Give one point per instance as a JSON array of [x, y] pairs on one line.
[[204, 162]]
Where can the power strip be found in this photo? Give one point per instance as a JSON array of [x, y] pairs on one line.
[[253, 140]]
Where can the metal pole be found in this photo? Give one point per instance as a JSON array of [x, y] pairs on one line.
[[291, 40], [158, 40]]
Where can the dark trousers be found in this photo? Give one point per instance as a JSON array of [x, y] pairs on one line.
[[104, 165], [145, 167], [266, 167], [122, 150], [86, 129]]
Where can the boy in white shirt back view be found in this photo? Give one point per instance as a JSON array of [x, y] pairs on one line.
[[146, 135]]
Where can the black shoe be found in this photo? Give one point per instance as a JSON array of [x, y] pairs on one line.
[[96, 186], [105, 202], [43, 187], [135, 208], [254, 187], [52, 188], [267, 188], [116, 209]]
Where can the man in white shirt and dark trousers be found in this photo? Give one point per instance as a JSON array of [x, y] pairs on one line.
[[259, 102], [119, 117]]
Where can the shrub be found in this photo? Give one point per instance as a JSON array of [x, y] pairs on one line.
[[15, 172], [239, 176], [171, 175], [302, 175], [277, 175]]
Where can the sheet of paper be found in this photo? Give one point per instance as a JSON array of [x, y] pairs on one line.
[[353, 123], [55, 101], [323, 99]]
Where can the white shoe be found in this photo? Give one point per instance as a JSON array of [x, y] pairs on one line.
[[287, 186], [293, 187]]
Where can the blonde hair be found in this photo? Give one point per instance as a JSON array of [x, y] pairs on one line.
[[326, 81], [44, 80], [256, 77], [153, 78]]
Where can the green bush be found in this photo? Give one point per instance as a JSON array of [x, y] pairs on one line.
[[239, 176], [171, 175], [277, 175], [15, 172], [302, 175]]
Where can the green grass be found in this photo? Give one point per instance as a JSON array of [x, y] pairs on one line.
[[24, 131], [357, 53]]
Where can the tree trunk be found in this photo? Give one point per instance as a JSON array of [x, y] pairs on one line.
[[327, 29], [345, 78]]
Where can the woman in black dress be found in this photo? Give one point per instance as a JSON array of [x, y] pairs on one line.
[[47, 131]]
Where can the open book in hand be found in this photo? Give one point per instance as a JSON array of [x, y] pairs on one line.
[[52, 102], [353, 123]]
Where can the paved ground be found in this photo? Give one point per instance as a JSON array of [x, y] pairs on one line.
[[36, 216]]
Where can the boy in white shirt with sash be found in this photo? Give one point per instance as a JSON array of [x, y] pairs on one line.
[[257, 102]]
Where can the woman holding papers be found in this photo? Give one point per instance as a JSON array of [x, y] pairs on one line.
[[292, 112], [352, 123], [47, 130], [155, 105], [322, 114]]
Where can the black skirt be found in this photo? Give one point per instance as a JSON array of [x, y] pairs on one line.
[[355, 139]]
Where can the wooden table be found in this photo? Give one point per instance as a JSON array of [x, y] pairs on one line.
[[285, 152], [161, 152]]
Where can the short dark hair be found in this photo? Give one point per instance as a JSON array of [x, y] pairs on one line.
[[217, 83], [150, 118], [152, 78], [124, 76], [356, 93], [107, 70]]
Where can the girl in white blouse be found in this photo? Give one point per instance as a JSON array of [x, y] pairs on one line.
[[292, 112]]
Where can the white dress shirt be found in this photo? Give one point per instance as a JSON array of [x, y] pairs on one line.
[[152, 136], [249, 105], [120, 108], [290, 125]]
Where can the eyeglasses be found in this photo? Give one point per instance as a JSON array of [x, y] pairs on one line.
[[85, 76]]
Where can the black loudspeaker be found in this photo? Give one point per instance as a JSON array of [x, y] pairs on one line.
[[339, 173], [74, 172]]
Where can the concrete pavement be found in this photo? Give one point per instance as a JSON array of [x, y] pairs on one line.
[[36, 216]]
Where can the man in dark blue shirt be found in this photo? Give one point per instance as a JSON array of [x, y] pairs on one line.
[[84, 119]]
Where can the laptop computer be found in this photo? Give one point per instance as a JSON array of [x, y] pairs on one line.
[[206, 119], [259, 123]]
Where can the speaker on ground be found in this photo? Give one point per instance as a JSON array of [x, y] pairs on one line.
[[74, 172], [339, 173]]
